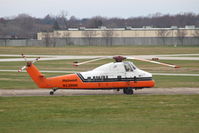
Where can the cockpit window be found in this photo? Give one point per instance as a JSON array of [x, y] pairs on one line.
[[129, 67], [133, 66]]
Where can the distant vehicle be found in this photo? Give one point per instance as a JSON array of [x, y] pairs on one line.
[[118, 75]]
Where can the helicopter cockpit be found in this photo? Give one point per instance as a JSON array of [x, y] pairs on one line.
[[129, 66]]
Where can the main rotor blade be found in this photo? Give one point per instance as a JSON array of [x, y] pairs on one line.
[[35, 60], [156, 62], [24, 67], [77, 64], [24, 57]]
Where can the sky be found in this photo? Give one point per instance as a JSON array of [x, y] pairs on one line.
[[91, 8]]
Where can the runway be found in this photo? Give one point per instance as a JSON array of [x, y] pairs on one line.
[[146, 91]]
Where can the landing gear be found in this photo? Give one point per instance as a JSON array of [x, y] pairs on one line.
[[128, 91], [53, 91]]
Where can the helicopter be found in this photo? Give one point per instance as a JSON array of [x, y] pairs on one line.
[[117, 75]]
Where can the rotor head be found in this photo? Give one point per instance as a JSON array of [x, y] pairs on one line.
[[119, 58]]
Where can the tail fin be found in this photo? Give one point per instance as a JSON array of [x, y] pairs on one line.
[[36, 76], [34, 73]]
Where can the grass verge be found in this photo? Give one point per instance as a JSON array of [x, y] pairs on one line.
[[100, 50], [100, 114]]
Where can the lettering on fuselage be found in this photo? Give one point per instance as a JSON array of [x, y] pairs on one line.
[[98, 78], [69, 80], [70, 85], [67, 83]]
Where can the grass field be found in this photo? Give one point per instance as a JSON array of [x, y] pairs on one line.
[[100, 114], [100, 50]]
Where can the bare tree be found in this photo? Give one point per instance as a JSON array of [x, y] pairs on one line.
[[63, 19], [26, 23], [54, 39], [95, 22], [163, 33], [73, 22], [56, 26], [47, 39], [181, 35], [89, 34], [67, 38], [196, 34], [26, 26]]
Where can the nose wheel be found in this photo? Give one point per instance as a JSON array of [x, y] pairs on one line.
[[53, 91]]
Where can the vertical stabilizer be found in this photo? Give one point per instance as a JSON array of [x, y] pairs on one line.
[[36, 76]]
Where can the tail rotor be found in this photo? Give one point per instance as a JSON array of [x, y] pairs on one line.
[[28, 63]]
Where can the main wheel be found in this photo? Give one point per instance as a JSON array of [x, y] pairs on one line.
[[51, 92], [128, 91], [124, 90]]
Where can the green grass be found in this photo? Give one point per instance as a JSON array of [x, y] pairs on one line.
[[101, 50], [176, 81], [100, 114], [15, 80], [7, 57]]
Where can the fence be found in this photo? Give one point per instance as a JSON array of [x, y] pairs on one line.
[[53, 42]]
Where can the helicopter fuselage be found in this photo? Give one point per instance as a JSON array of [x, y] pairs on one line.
[[114, 75]]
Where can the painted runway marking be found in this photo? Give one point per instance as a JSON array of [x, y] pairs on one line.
[[63, 57]]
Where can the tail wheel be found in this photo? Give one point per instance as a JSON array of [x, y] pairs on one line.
[[53, 91], [128, 91]]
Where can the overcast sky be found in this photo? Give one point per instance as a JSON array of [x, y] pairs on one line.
[[90, 8]]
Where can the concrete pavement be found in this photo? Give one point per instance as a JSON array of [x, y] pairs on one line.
[[69, 92]]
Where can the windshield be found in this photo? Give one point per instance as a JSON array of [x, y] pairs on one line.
[[129, 66]]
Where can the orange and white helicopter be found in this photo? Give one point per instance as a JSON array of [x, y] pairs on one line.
[[115, 75]]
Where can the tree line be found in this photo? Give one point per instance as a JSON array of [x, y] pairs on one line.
[[26, 26]]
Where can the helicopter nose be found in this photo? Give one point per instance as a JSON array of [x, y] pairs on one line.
[[144, 74], [147, 74]]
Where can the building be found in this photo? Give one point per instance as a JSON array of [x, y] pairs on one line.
[[128, 32]]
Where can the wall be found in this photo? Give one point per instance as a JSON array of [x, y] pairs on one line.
[[105, 41], [21, 43]]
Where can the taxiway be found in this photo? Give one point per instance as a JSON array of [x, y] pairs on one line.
[[69, 92]]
